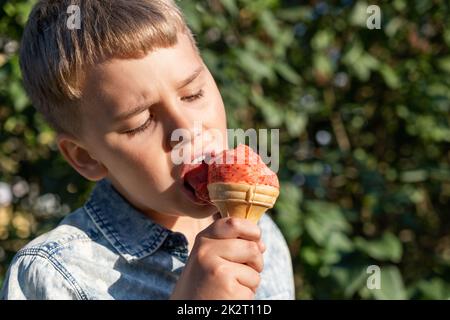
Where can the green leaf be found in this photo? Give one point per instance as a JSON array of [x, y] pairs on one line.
[[390, 76], [24, 10], [330, 256], [270, 111], [414, 176], [447, 36], [230, 6], [192, 17], [322, 40], [287, 73], [350, 278], [338, 241], [10, 9], [388, 247], [393, 26], [399, 5], [19, 96], [323, 65], [435, 289], [392, 287], [322, 220], [444, 64], [270, 24], [294, 14], [359, 62], [253, 66], [310, 255], [295, 123], [289, 213], [359, 15]]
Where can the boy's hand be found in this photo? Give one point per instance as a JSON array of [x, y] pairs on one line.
[[225, 262]]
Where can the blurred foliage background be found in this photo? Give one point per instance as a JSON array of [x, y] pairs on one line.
[[364, 136]]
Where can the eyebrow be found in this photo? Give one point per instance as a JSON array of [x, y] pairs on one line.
[[191, 78], [130, 113], [134, 111]]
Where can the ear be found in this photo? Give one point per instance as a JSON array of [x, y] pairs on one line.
[[80, 158]]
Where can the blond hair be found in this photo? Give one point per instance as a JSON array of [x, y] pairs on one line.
[[54, 57]]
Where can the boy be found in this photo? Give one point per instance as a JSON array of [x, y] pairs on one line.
[[114, 90]]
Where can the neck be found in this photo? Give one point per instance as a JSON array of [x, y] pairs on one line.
[[188, 226]]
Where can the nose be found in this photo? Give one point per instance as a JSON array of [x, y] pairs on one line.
[[177, 123]]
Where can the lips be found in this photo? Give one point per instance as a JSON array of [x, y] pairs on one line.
[[195, 175], [195, 178]]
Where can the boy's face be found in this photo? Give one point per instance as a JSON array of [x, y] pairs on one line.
[[135, 149]]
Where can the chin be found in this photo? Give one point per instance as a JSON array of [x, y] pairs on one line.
[[198, 211]]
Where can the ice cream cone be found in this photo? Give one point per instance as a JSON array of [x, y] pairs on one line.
[[242, 200]]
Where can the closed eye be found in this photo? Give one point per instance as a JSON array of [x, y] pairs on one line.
[[193, 97], [142, 128]]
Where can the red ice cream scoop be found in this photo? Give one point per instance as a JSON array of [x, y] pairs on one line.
[[237, 181]]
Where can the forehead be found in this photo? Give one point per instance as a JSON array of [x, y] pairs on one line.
[[124, 82]]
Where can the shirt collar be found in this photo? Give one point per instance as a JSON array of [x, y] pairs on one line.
[[129, 231]]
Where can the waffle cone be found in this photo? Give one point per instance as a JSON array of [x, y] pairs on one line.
[[242, 200]]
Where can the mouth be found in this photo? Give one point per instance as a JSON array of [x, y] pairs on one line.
[[194, 178], [199, 159], [189, 191], [205, 156]]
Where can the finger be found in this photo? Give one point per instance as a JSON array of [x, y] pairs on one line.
[[262, 246], [241, 251], [229, 228], [247, 276]]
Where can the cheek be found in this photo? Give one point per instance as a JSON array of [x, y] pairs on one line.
[[214, 125], [217, 116], [138, 158]]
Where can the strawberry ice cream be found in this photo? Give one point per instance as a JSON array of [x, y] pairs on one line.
[[240, 165], [234, 178]]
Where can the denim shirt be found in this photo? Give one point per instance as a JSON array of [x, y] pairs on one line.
[[109, 250]]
